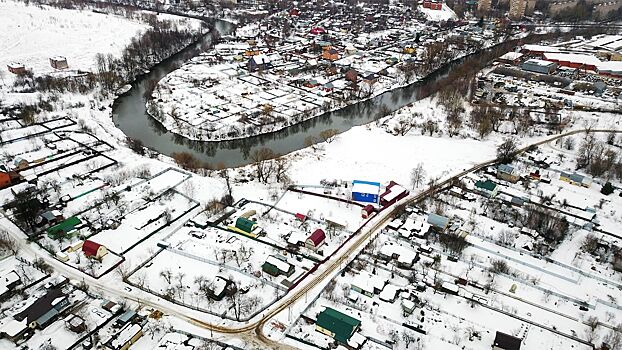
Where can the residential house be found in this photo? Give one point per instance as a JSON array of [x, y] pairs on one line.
[[392, 194], [126, 317], [5, 179], [44, 310], [337, 325], [367, 284], [49, 218], [75, 323], [408, 306], [220, 287], [16, 68], [316, 240], [575, 179], [438, 222], [13, 329], [94, 250], [277, 265], [508, 173], [389, 293], [330, 54], [259, 62], [8, 282], [245, 224], [127, 336], [487, 188], [505, 341], [351, 75]]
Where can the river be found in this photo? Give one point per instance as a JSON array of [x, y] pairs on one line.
[[129, 114]]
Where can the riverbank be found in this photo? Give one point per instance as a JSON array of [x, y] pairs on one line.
[[203, 101]]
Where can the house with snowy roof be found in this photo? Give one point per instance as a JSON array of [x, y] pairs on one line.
[[277, 265]]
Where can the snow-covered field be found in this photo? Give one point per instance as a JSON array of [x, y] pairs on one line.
[[32, 34]]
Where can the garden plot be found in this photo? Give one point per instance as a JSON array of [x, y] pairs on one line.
[[229, 250], [323, 209], [289, 230], [142, 222], [188, 281]]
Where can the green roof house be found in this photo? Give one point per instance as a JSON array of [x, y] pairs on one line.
[[336, 325], [245, 224], [487, 188], [64, 227]]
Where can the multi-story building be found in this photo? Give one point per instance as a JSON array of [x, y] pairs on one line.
[[517, 9]]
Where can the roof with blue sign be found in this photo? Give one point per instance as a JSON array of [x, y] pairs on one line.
[[365, 187]]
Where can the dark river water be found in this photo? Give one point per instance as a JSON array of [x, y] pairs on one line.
[[129, 114]]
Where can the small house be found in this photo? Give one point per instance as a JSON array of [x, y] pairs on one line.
[[505, 341], [317, 31], [8, 282], [259, 62], [126, 337], [16, 68], [367, 284], [487, 188], [408, 306], [277, 265], [245, 224], [5, 179], [126, 317], [392, 194], [575, 179], [49, 217], [75, 323], [20, 163], [220, 287], [44, 310], [316, 240], [508, 173], [351, 75], [330, 54], [389, 293], [94, 250], [337, 325], [59, 62], [367, 211], [438, 222], [12, 329]]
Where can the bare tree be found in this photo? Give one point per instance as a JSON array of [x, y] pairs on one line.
[[329, 135], [417, 175], [261, 159]]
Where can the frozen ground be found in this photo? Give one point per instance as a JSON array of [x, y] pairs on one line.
[[31, 35]]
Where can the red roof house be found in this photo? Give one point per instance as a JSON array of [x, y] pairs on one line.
[[317, 31], [316, 239], [393, 193], [301, 217], [93, 250]]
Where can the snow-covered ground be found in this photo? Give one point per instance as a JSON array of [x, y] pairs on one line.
[[32, 34]]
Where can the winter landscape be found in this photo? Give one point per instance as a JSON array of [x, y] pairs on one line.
[[360, 174]]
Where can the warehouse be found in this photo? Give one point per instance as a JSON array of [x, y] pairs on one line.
[[573, 60], [539, 66]]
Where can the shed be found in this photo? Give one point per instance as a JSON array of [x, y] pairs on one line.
[[126, 317], [337, 325], [367, 211], [16, 68], [505, 341], [59, 62]]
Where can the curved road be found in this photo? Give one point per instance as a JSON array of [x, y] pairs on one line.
[[246, 331]]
